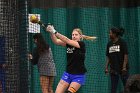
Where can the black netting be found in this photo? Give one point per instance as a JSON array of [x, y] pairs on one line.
[[94, 17]]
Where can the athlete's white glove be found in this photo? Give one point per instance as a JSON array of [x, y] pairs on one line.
[[51, 29]]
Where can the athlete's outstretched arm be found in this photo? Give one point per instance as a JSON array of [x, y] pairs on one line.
[[56, 40], [64, 39]]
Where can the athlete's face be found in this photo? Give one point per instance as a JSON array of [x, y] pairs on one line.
[[76, 36]]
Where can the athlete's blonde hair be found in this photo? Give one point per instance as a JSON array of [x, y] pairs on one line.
[[84, 36]]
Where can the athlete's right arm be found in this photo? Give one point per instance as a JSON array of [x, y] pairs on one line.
[[56, 40], [60, 39]]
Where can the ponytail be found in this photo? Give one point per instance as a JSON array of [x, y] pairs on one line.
[[89, 37], [85, 36]]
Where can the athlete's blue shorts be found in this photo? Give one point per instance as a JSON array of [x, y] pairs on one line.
[[73, 78]]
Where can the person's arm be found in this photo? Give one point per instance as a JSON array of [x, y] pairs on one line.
[[125, 62], [56, 40], [107, 64], [64, 39], [107, 59], [34, 58]]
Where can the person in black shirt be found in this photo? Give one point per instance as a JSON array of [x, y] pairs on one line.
[[74, 76], [117, 58]]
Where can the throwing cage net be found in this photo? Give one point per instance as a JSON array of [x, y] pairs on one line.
[[94, 17]]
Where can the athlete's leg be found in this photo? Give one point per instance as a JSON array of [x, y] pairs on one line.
[[64, 83], [77, 81], [62, 86], [73, 88]]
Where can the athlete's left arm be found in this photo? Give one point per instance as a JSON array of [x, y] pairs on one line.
[[63, 38], [67, 40]]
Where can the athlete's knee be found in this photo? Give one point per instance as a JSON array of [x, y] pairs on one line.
[[71, 90]]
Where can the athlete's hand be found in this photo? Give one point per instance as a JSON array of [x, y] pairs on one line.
[[50, 28]]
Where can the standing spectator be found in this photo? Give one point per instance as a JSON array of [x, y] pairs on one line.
[[42, 56], [117, 58]]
